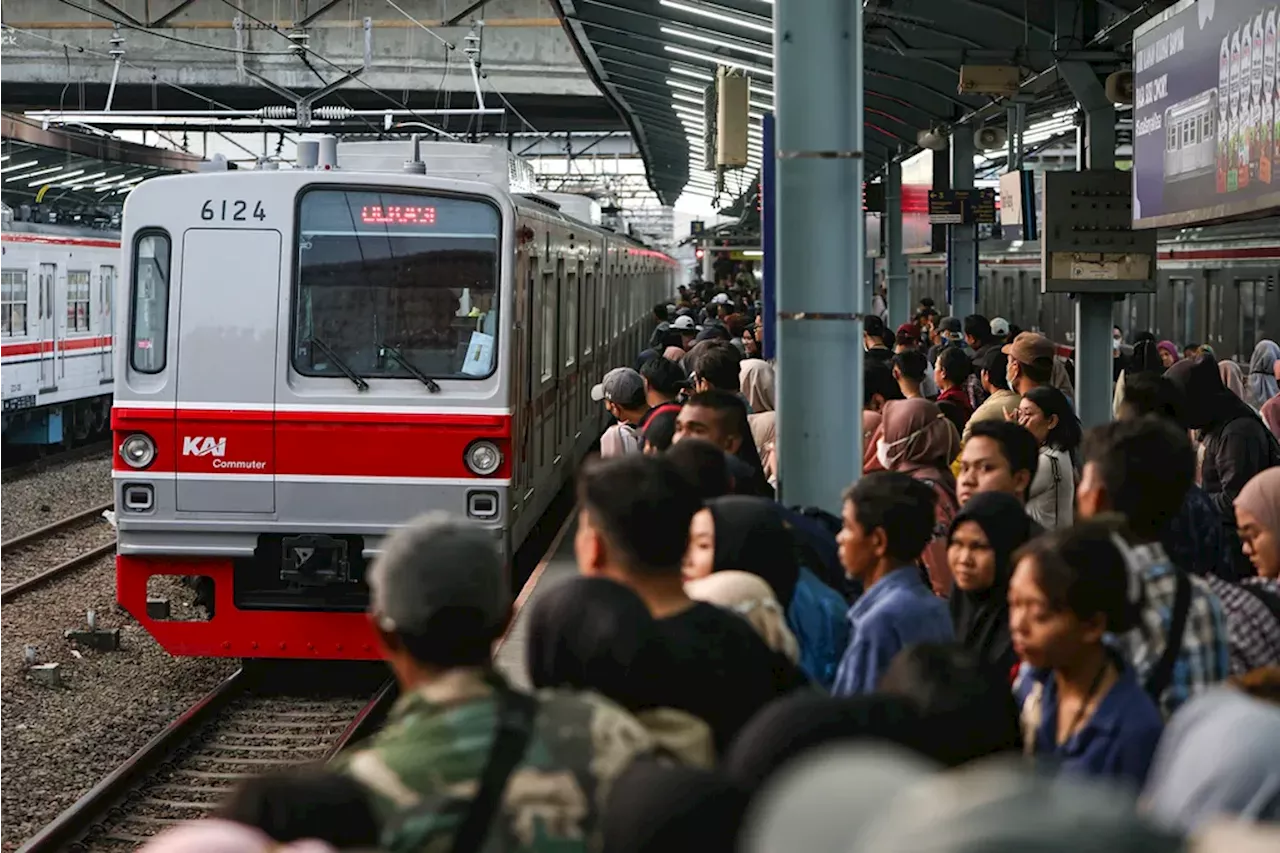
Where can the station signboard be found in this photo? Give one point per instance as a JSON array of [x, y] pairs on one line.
[[1206, 113], [962, 207]]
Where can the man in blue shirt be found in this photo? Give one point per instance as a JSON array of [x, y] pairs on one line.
[[888, 519]]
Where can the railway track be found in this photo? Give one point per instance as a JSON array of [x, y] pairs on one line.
[[242, 728], [71, 542]]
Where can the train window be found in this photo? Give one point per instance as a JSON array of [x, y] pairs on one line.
[[548, 299], [396, 284], [78, 300], [1173, 136], [149, 332], [1253, 303], [106, 284], [570, 316], [13, 303], [589, 313]]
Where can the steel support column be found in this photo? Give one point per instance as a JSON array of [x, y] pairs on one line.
[[1096, 149], [896, 279], [820, 248], [962, 240], [708, 264]]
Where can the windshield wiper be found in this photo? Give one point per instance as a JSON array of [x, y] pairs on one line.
[[339, 363], [398, 358]]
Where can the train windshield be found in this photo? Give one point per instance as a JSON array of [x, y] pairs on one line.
[[396, 285]]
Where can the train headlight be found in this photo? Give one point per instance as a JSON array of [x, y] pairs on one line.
[[483, 458], [138, 450]]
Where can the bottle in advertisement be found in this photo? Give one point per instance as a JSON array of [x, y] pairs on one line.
[[1233, 120], [1224, 109], [1268, 142], [1255, 103], [1246, 86]]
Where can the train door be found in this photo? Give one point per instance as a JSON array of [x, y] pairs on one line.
[[1214, 329], [1252, 295], [227, 362], [525, 372], [546, 405], [47, 327], [566, 398], [106, 320]]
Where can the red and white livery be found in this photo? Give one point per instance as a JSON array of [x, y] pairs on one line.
[[309, 358], [56, 291]]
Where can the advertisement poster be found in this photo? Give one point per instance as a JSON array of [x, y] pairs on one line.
[[1205, 112]]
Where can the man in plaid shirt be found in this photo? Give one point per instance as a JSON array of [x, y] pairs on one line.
[[1143, 468]]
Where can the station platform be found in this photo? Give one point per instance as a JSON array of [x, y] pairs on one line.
[[555, 567]]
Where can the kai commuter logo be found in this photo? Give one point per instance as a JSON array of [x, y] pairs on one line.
[[196, 445]]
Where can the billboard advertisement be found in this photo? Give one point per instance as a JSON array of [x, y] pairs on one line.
[[1206, 113]]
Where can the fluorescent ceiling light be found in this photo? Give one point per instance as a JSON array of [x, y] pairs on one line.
[[717, 60], [55, 179], [680, 84], [696, 75], [4, 157], [84, 179], [720, 42], [693, 99], [47, 171], [18, 167], [714, 13]]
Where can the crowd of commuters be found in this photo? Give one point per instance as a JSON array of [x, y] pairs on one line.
[[1016, 635]]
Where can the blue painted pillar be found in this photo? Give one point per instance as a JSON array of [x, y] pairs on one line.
[[962, 240], [768, 238], [818, 44], [1096, 149], [896, 279]]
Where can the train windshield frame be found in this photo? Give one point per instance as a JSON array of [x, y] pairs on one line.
[[388, 276]]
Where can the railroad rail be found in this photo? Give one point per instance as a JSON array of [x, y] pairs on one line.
[[12, 589], [238, 730]]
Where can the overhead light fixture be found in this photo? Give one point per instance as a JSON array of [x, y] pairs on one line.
[[56, 178], [717, 60], [720, 42], [696, 75], [47, 171], [720, 13], [83, 179], [18, 167], [680, 84]]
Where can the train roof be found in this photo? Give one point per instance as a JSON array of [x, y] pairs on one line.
[[41, 229]]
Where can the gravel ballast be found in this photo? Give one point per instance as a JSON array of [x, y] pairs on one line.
[[57, 742], [46, 496]]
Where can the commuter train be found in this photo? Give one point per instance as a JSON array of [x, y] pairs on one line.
[[311, 357], [56, 315], [1214, 285]]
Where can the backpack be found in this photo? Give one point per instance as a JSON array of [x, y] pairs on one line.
[[620, 440]]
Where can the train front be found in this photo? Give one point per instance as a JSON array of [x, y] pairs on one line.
[[308, 359]]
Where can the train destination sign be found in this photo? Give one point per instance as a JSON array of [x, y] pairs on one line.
[[398, 214], [962, 207], [1206, 113]]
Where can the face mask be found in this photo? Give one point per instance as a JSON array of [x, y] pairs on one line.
[[882, 454], [1115, 344], [882, 450]]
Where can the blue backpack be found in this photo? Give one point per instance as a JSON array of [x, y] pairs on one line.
[[816, 615]]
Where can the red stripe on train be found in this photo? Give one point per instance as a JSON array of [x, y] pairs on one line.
[[319, 444], [61, 241], [64, 345]]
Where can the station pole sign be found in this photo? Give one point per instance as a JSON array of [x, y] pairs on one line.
[[768, 237]]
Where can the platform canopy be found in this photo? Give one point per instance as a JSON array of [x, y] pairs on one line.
[[653, 59]]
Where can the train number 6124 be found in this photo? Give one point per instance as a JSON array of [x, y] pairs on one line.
[[235, 210]]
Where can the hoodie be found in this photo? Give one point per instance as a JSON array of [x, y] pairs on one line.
[[1237, 445]]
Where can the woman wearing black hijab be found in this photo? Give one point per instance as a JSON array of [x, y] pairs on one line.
[[983, 537], [748, 534]]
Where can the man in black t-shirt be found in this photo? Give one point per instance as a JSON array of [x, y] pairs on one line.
[[633, 528]]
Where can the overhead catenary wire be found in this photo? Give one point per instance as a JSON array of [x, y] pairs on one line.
[[327, 61], [126, 25], [155, 77]]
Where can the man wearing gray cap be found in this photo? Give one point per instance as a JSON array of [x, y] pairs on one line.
[[622, 391], [464, 755]]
